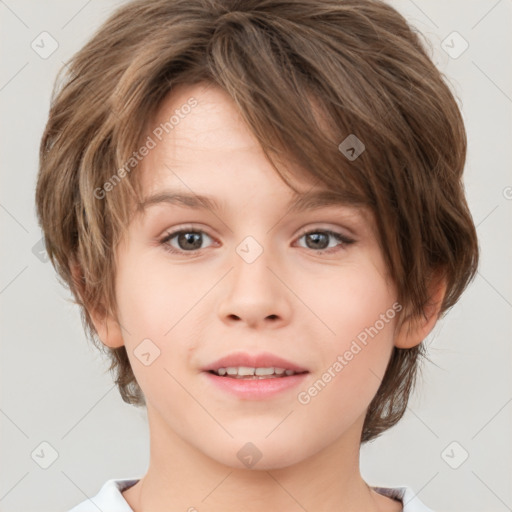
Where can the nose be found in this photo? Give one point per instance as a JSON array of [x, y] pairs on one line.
[[255, 293]]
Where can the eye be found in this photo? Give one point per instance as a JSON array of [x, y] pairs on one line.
[[320, 240], [187, 240]]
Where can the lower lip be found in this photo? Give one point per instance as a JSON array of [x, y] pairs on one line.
[[255, 389]]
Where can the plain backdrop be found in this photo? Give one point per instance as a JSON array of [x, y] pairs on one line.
[[453, 447]]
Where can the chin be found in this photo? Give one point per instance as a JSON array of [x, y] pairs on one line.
[[256, 456]]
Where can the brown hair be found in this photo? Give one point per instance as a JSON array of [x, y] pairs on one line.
[[357, 62]]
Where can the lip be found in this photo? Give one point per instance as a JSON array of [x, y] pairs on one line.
[[260, 360], [257, 389]]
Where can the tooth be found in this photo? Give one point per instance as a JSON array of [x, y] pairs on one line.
[[245, 370], [264, 371]]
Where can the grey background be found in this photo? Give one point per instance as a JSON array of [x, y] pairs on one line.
[[55, 387]]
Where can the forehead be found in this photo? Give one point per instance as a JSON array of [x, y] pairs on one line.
[[201, 121], [199, 136], [203, 143], [201, 117]]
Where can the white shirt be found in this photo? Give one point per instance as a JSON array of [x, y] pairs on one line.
[[110, 499]]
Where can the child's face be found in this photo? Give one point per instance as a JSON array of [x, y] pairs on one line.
[[274, 292]]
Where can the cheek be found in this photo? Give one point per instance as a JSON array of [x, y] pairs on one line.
[[156, 310], [151, 299], [358, 310], [349, 301], [342, 389]]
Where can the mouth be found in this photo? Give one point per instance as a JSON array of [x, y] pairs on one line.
[[259, 376]]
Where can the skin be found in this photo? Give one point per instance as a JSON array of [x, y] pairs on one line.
[[304, 306]]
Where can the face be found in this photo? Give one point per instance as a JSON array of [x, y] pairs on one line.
[[246, 274]]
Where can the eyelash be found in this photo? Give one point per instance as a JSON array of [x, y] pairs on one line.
[[344, 240]]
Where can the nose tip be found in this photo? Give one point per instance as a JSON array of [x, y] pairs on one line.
[[254, 295]]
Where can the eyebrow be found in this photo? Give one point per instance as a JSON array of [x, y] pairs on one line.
[[299, 202]]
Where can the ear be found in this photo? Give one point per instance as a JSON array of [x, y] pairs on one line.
[[415, 329], [107, 327]]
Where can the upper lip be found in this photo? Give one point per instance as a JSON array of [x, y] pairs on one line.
[[261, 360]]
